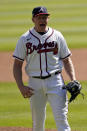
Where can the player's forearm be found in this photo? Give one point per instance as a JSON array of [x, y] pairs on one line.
[[68, 65], [17, 72]]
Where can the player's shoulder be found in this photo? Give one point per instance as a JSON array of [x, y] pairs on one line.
[[57, 32], [25, 36]]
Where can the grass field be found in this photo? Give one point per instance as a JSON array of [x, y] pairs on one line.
[[68, 16], [15, 110]]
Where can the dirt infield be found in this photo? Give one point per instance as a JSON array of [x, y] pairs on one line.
[[78, 57], [19, 129]]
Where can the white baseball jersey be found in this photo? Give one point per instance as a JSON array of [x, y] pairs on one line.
[[43, 53]]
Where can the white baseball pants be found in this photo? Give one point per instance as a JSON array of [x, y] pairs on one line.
[[49, 90]]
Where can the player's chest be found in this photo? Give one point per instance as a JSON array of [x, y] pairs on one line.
[[41, 46]]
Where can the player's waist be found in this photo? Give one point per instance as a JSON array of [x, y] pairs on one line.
[[47, 76]]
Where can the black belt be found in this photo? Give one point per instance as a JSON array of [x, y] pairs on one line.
[[45, 77]]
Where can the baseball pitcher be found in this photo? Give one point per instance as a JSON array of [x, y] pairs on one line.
[[46, 53]]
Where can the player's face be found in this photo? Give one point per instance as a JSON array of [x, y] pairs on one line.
[[40, 22]]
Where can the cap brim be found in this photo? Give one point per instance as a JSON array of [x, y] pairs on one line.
[[42, 14]]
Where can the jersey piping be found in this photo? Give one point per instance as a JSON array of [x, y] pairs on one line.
[[41, 52], [18, 58], [46, 52], [66, 56]]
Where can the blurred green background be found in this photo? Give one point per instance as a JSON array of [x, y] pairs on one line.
[[67, 16]]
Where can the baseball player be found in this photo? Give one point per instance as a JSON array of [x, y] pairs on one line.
[[46, 53]]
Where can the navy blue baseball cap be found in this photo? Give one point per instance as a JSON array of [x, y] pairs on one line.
[[39, 10]]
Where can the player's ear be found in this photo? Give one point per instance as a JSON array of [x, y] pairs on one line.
[[48, 17], [33, 19]]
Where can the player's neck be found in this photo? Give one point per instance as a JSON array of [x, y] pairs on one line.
[[41, 30], [42, 33]]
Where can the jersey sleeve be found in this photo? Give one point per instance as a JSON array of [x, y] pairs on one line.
[[64, 50], [20, 50]]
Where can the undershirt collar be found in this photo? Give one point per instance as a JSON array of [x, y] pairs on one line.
[[42, 33]]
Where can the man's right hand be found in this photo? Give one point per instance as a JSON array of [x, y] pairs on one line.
[[17, 72], [26, 91]]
